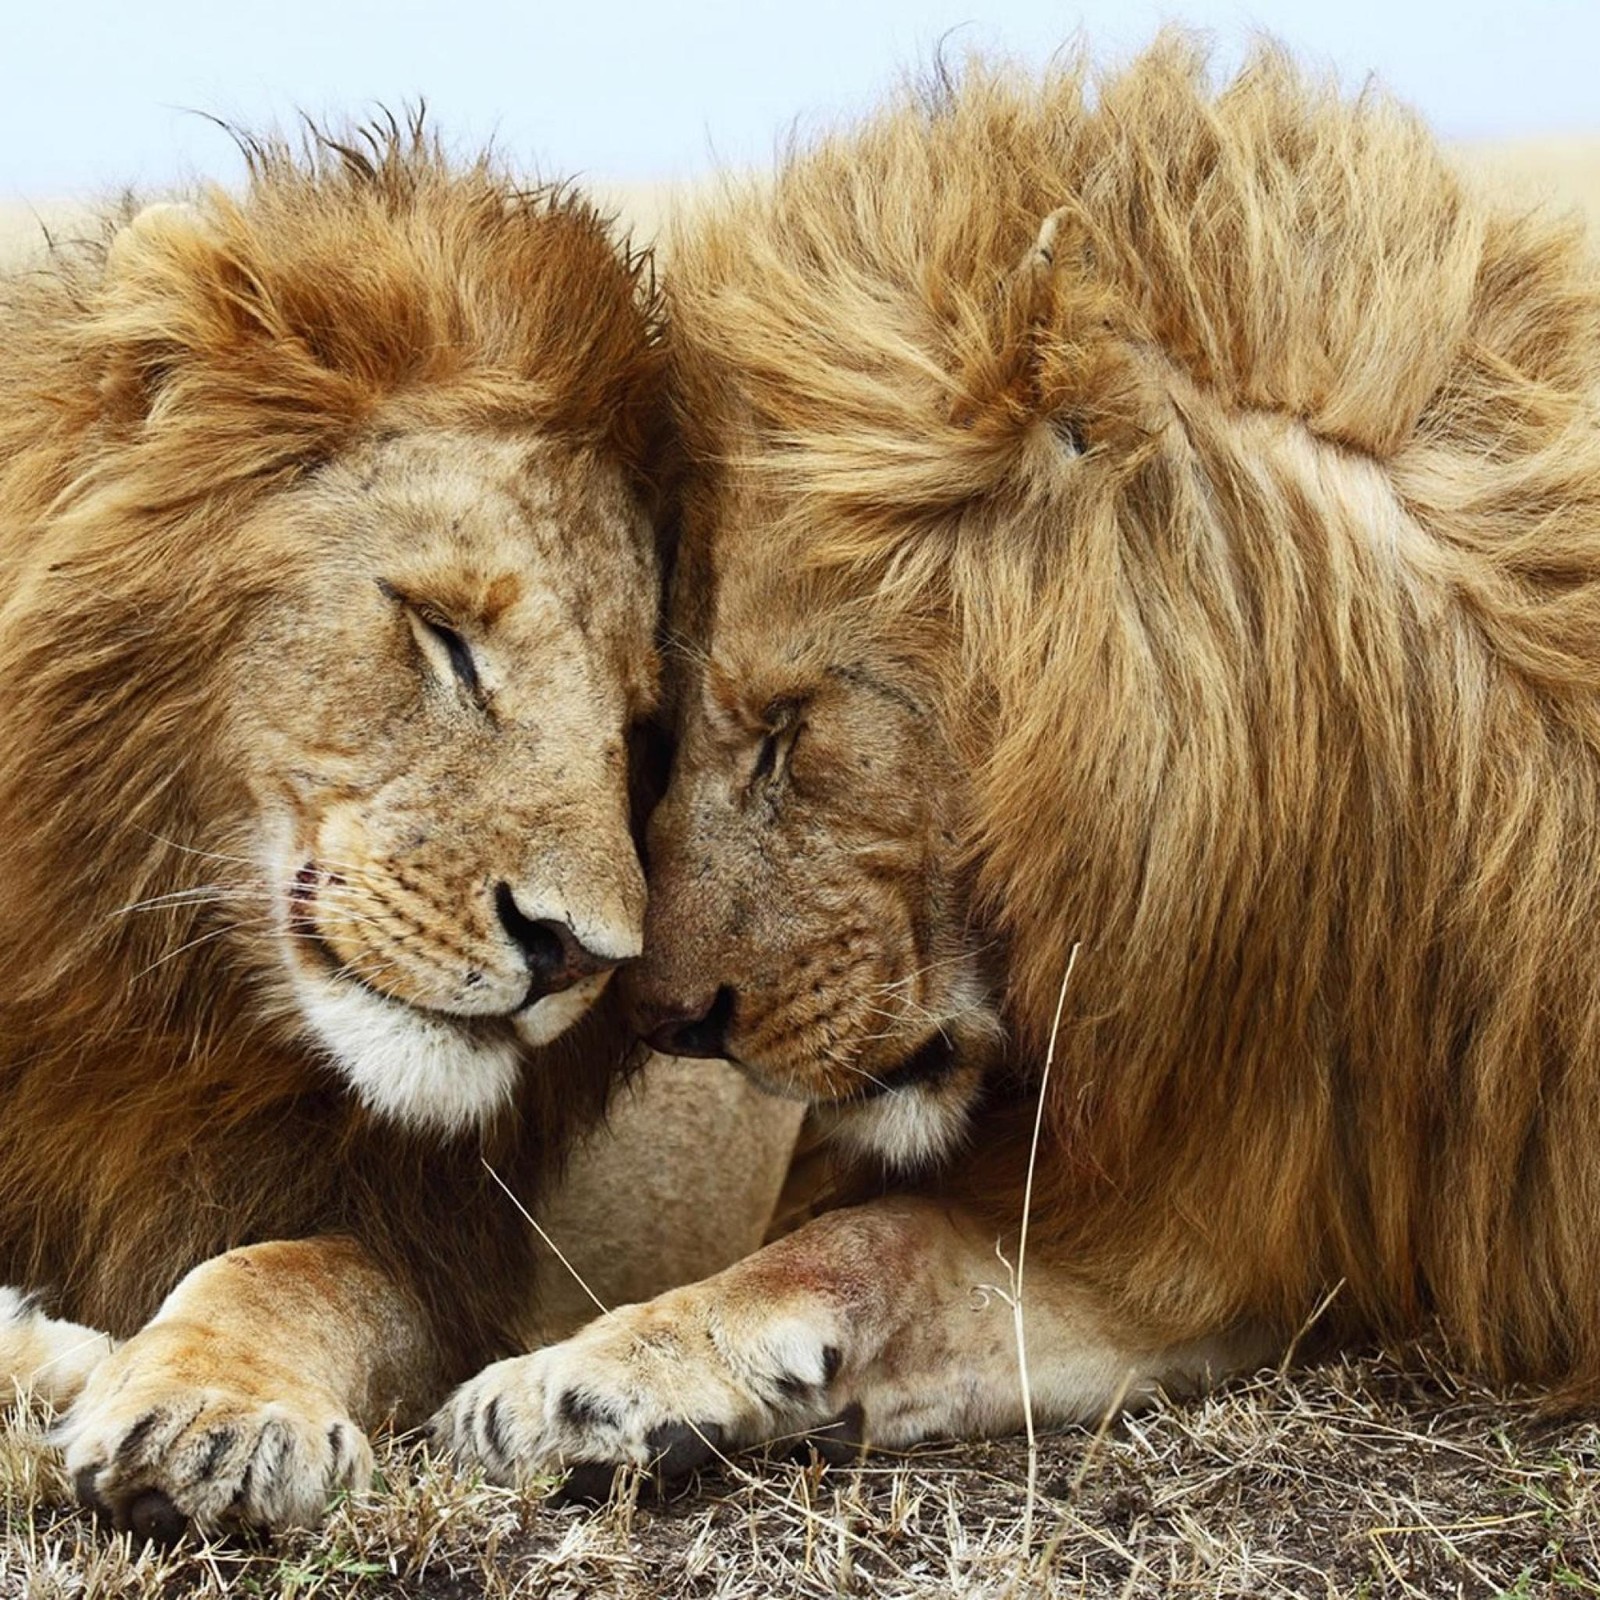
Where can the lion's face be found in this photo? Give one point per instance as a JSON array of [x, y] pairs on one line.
[[807, 917], [432, 716]]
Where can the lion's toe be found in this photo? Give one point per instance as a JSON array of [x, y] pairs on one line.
[[497, 1422], [645, 1387], [211, 1460]]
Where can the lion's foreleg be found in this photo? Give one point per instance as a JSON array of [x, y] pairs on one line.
[[245, 1398], [892, 1322]]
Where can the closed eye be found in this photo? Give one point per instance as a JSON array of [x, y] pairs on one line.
[[766, 759], [436, 638], [784, 727], [459, 652]]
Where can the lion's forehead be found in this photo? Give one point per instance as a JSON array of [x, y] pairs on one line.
[[513, 532], [571, 509]]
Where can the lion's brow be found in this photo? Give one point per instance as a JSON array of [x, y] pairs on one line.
[[860, 677]]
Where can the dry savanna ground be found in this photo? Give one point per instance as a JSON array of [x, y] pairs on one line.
[[1372, 1476], [1381, 1474]]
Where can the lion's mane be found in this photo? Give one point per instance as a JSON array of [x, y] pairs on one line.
[[1256, 460], [152, 1111]]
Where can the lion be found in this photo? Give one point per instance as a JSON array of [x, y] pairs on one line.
[[332, 580], [1138, 771]]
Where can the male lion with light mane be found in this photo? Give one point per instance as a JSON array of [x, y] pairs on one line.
[[327, 514], [1161, 524]]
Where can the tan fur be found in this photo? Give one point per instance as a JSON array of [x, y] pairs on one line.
[[1165, 521], [682, 1179], [262, 815], [43, 1357]]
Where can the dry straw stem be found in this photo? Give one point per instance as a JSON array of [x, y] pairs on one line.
[[1017, 1284]]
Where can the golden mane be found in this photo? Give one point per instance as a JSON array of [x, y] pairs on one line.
[[158, 385], [1256, 461]]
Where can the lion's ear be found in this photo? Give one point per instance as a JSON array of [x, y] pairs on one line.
[[1060, 351], [161, 227], [166, 294]]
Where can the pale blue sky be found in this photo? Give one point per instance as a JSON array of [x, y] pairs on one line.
[[93, 92]]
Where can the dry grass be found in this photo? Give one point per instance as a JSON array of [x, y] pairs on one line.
[[1373, 1476]]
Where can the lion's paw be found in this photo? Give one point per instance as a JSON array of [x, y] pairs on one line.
[[156, 1443], [668, 1386]]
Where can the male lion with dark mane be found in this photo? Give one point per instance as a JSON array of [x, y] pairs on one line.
[[331, 583], [1159, 524]]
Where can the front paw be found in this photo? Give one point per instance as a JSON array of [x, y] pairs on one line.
[[170, 1431], [669, 1386]]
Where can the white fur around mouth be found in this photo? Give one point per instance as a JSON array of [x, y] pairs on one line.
[[427, 1072], [921, 1119], [550, 1017], [909, 1128]]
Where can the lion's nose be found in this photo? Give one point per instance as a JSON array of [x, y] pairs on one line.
[[556, 957], [696, 1029]]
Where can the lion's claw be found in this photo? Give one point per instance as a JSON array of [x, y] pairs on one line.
[[153, 1456], [153, 1519], [587, 1483], [678, 1449], [655, 1387]]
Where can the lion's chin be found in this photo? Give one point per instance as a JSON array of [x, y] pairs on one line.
[[909, 1127], [912, 1119], [550, 1017], [428, 1073], [433, 1074]]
